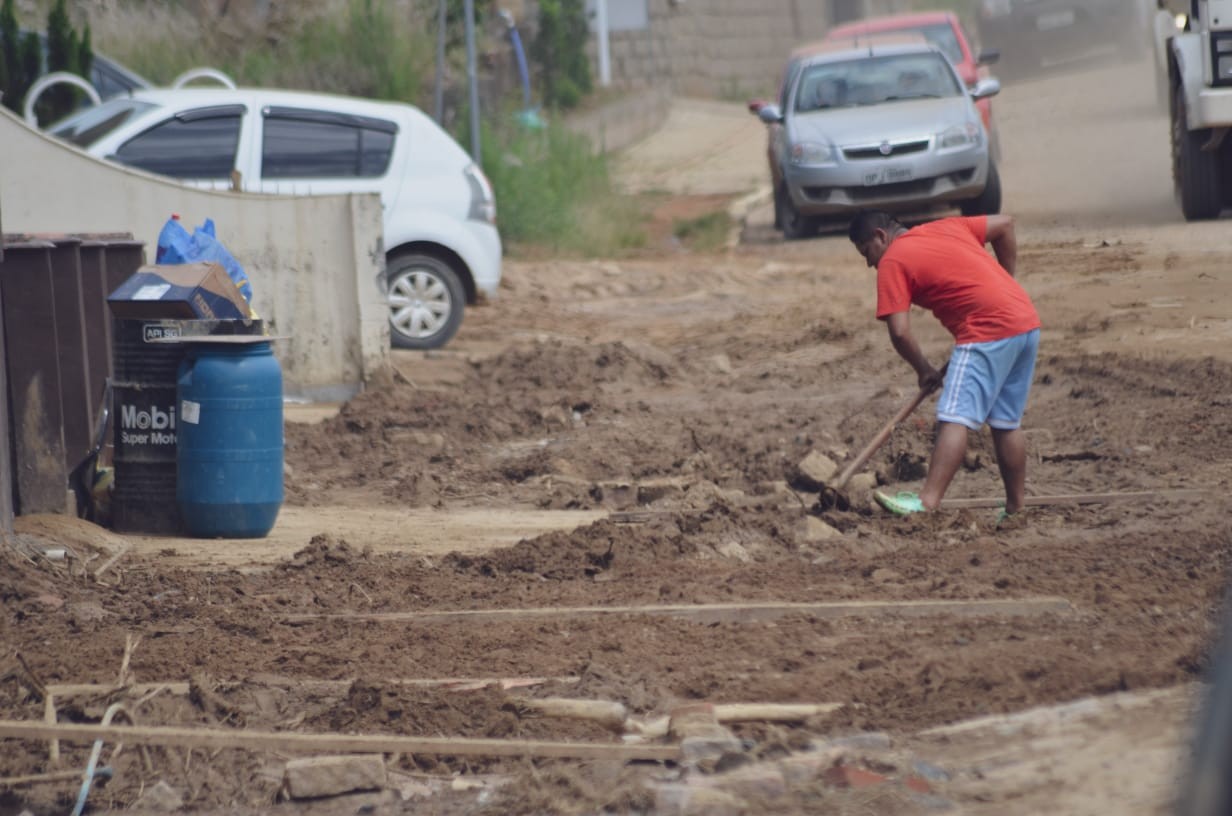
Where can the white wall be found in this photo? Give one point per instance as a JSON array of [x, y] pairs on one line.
[[315, 263]]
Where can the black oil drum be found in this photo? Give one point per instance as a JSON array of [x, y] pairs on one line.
[[143, 406]]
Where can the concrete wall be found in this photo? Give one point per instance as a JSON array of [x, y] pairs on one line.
[[730, 49], [315, 263]]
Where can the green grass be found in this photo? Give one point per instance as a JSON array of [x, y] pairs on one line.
[[554, 191], [706, 233]]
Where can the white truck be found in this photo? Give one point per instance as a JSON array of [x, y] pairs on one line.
[[1193, 48]]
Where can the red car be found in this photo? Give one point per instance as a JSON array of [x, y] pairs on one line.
[[944, 30]]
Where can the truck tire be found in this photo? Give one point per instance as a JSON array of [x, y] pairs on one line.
[[1195, 172]]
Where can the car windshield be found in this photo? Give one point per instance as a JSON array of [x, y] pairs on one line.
[[873, 81], [88, 126], [942, 36]]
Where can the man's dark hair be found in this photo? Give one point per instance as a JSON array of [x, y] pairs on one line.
[[866, 222]]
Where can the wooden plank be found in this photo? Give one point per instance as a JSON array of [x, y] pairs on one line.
[[1079, 498], [330, 743], [719, 613]]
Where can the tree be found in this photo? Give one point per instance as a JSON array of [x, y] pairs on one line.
[[66, 51], [559, 50], [21, 60]]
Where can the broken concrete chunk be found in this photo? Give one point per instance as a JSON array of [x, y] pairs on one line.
[[816, 469], [701, 737], [734, 551], [862, 482], [314, 777], [159, 798], [687, 800], [817, 530]]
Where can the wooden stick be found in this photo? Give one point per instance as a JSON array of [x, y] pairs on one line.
[[604, 712], [884, 434], [116, 556], [130, 645], [249, 740], [708, 613], [36, 685], [1079, 498], [772, 712], [49, 716], [35, 779], [451, 683]]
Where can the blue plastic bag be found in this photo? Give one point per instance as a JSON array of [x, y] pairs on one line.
[[177, 246]]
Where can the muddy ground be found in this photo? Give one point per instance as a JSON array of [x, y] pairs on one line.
[[627, 433]]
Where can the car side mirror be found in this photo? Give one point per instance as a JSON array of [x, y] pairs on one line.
[[989, 86], [988, 56], [770, 114]]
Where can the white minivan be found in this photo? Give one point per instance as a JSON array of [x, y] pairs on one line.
[[442, 246]]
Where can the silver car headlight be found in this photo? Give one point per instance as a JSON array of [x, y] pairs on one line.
[[995, 8], [810, 153], [959, 136]]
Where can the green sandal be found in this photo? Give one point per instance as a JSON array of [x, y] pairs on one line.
[[902, 504]]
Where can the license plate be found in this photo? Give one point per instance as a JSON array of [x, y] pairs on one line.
[[1058, 19], [887, 175]]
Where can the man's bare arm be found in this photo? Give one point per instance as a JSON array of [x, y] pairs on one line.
[[899, 326], [999, 231]]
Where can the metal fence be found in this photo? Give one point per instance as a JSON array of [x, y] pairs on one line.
[[55, 358]]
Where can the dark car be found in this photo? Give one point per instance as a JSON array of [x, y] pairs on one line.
[[1032, 34]]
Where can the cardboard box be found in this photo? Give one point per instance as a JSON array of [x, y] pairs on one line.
[[198, 290]]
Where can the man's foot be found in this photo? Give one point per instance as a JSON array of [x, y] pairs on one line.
[[901, 504], [1010, 521]]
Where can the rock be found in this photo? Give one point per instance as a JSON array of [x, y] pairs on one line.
[[862, 483], [160, 798], [816, 469], [700, 735], [688, 800], [817, 530], [313, 777], [721, 363], [753, 782], [734, 551]]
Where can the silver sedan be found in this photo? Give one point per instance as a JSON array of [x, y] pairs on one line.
[[885, 126]]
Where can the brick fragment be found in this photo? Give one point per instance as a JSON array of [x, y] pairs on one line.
[[850, 776]]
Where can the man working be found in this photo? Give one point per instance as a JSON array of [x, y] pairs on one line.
[[943, 266]]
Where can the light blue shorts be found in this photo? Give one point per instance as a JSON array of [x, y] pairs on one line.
[[989, 382]]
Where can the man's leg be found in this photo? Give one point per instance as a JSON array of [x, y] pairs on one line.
[[947, 456], [1011, 448]]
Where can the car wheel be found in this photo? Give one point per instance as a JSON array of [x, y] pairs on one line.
[[792, 222], [989, 201], [426, 301], [1195, 172]]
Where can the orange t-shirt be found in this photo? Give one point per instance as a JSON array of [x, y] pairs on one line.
[[943, 266]]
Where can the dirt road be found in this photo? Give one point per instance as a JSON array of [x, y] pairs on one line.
[[621, 438]]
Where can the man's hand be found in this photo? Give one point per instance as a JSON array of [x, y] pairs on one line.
[[931, 379]]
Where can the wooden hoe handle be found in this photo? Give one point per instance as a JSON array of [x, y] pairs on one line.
[[884, 434]]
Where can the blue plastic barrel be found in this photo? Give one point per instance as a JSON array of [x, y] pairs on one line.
[[229, 447]]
